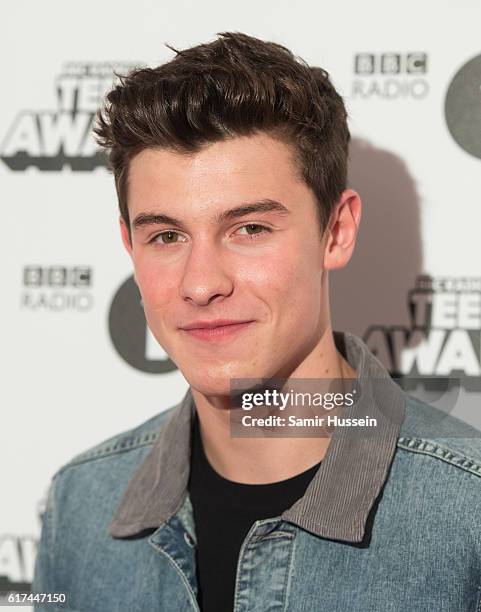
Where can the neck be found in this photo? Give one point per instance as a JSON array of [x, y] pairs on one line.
[[268, 459]]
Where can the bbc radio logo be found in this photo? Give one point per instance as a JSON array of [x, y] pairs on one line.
[[390, 63], [57, 288], [53, 139], [444, 336], [390, 76]]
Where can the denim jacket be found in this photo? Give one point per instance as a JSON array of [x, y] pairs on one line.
[[390, 523]]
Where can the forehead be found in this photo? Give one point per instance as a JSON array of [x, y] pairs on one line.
[[221, 174]]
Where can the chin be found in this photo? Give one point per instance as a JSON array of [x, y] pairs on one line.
[[216, 379]]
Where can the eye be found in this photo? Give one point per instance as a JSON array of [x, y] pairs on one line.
[[254, 229], [167, 237]]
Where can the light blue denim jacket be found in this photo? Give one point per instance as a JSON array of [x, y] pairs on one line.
[[390, 523]]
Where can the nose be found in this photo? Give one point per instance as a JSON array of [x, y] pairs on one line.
[[205, 277]]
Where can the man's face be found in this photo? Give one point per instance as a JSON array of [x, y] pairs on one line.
[[204, 265]]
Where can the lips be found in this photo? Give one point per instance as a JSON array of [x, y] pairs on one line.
[[215, 331], [211, 324]]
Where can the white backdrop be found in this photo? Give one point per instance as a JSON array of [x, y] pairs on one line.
[[79, 366]]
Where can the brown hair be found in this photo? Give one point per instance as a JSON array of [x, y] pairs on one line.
[[234, 86]]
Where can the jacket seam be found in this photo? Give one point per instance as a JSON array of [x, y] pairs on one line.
[[290, 574], [438, 451], [183, 577], [111, 449], [124, 441]]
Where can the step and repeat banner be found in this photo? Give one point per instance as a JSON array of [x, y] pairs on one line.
[[79, 364]]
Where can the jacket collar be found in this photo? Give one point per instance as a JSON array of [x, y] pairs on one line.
[[339, 498]]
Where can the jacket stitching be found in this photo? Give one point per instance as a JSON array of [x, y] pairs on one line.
[[179, 570], [112, 448], [425, 447], [290, 575]]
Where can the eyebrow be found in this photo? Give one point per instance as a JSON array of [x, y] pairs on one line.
[[262, 206]]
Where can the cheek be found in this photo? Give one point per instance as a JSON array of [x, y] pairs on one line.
[[156, 287], [289, 285], [298, 304]]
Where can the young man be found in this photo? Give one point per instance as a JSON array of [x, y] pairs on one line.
[[230, 168]]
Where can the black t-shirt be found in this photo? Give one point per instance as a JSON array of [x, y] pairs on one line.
[[224, 512]]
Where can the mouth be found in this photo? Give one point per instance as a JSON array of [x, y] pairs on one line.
[[213, 332]]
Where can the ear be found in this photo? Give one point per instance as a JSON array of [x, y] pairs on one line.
[[342, 230], [125, 235]]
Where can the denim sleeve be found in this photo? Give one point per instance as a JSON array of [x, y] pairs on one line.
[[43, 577]]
